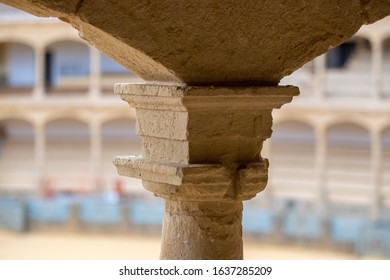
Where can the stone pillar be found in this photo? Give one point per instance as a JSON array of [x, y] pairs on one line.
[[377, 69], [201, 153], [94, 75], [320, 76], [39, 87]]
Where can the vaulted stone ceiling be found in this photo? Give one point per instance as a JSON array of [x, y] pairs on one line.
[[212, 41]]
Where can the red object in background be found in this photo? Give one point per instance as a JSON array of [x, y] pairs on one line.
[[47, 189], [118, 187]]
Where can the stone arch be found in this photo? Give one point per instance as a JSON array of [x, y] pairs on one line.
[[17, 39], [283, 129], [347, 138], [110, 117], [294, 119], [19, 117], [385, 35], [385, 127], [70, 124], [348, 176], [121, 128], [67, 64], [385, 136], [367, 37], [21, 125], [292, 161], [17, 68], [73, 115], [349, 68], [346, 119], [68, 159], [17, 141]]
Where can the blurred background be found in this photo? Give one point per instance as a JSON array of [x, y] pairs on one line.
[[328, 195]]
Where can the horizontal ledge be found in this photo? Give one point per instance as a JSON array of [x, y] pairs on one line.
[[196, 182], [182, 174], [178, 98], [206, 91]]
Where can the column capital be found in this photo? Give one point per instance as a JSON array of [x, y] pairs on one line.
[[219, 125], [202, 143]]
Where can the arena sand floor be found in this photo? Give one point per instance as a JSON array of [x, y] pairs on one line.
[[65, 246]]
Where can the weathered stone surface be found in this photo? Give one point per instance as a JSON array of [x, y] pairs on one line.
[[45, 8], [213, 42], [373, 10], [206, 230], [222, 125]]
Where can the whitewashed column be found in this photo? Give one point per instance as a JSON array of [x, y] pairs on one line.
[[39, 87], [320, 76], [94, 75], [376, 69]]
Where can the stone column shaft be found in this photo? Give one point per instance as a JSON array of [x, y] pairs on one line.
[[377, 69], [201, 153], [39, 87], [94, 76], [320, 76], [202, 230]]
